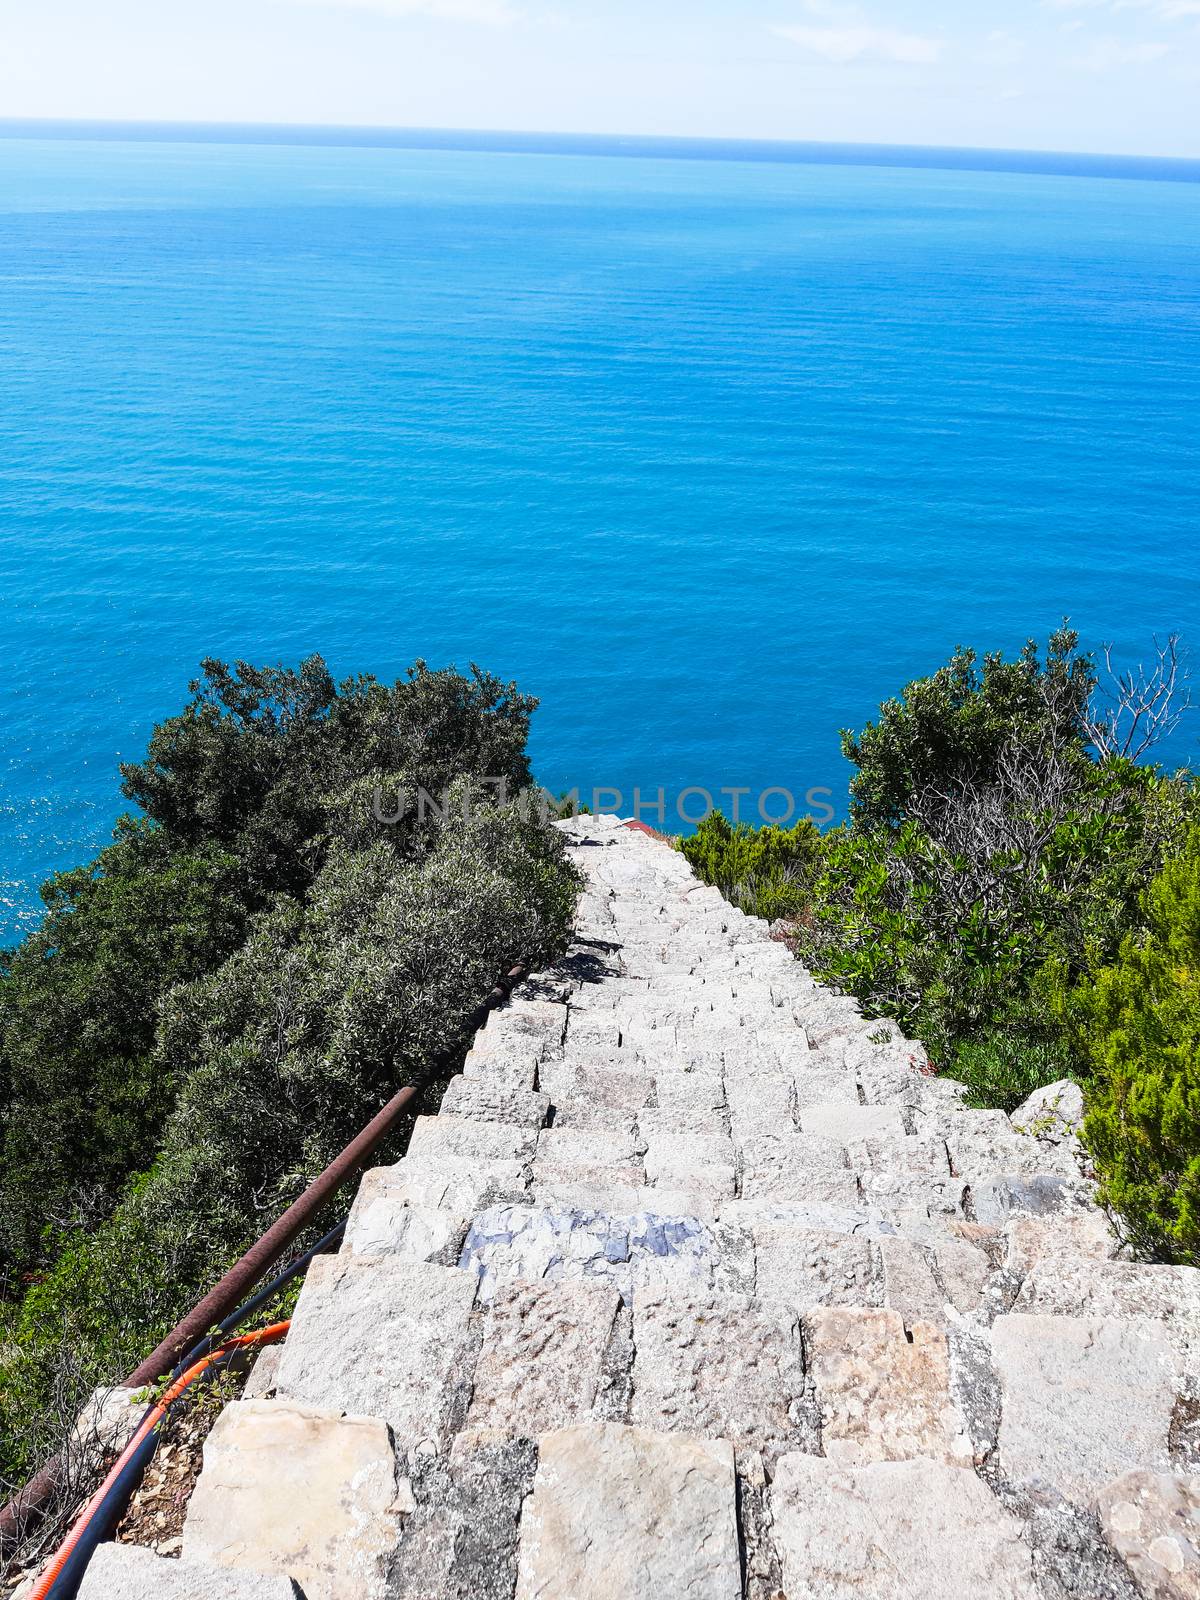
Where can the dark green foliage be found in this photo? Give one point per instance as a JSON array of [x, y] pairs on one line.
[[84, 1090], [216, 1006], [768, 872], [1003, 1069], [985, 916], [1139, 1019], [953, 727], [988, 894], [255, 761]]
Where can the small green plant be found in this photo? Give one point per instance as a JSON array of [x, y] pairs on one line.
[[1139, 1019], [1001, 1070], [767, 872]]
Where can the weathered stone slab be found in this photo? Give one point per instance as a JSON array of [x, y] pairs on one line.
[[128, 1572], [456, 1184], [1053, 1114], [624, 1511], [1152, 1521], [661, 1129], [900, 1155], [382, 1221], [459, 1523], [492, 1102], [606, 1187], [1029, 1241], [824, 1085], [260, 1382], [290, 1490], [894, 1530], [541, 1024], [591, 1030], [914, 1201], [882, 1395], [723, 1367], [1083, 1287], [576, 1112], [628, 1089], [984, 1144], [542, 1359], [893, 1074], [842, 1121], [1082, 1398], [677, 1157], [794, 1166], [434, 1139], [588, 1146], [770, 1052], [643, 1251], [921, 1279], [702, 1091], [995, 1200], [805, 1266], [495, 1060], [107, 1423], [384, 1338]]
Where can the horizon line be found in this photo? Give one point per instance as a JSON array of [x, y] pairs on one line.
[[1061, 163]]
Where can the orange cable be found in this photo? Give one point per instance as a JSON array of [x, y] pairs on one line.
[[275, 1330]]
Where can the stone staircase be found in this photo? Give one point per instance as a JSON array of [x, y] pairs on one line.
[[701, 1286]]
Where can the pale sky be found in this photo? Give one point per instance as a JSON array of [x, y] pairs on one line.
[[1119, 76]]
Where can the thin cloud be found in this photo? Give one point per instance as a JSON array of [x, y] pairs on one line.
[[854, 41], [491, 13], [1106, 55], [1001, 49]]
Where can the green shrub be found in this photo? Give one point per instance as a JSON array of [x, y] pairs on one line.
[[957, 725], [214, 1007], [1000, 1070], [1139, 1020], [766, 871]]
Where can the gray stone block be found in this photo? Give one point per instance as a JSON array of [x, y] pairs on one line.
[[894, 1530], [385, 1338], [790, 1166], [1082, 1399], [841, 1121], [491, 1102], [127, 1572], [804, 1266], [639, 1252], [1082, 1286], [624, 1511], [542, 1358], [435, 1140], [883, 1393], [1152, 1521], [383, 1221], [298, 1492], [723, 1367]]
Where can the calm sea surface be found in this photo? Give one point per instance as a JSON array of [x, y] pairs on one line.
[[711, 455]]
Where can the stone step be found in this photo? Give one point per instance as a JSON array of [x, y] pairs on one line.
[[702, 1284], [127, 1572]]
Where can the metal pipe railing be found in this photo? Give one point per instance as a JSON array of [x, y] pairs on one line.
[[26, 1508]]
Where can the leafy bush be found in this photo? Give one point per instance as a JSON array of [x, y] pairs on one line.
[[1139, 1021], [85, 1093], [988, 894], [767, 871], [216, 1006], [1002, 1069]]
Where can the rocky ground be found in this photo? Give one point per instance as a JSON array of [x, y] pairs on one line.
[[702, 1286]]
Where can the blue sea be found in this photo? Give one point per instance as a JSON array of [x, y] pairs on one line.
[[711, 454]]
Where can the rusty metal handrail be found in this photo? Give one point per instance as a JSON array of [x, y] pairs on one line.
[[25, 1509]]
